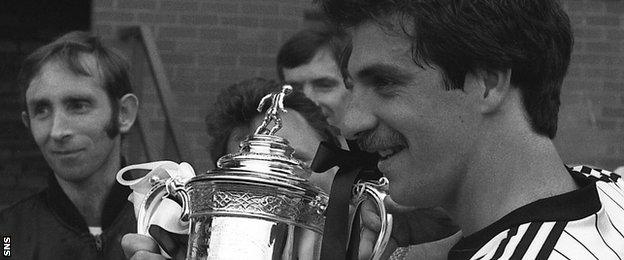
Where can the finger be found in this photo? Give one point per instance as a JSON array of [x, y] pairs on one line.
[[132, 243], [393, 207], [370, 216], [145, 255], [367, 243], [371, 221]]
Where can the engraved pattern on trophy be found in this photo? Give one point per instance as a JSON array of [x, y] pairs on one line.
[[277, 204]]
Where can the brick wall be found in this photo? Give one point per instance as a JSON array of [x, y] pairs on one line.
[[591, 122], [206, 45]]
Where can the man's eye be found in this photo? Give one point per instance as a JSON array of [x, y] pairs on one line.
[[41, 111], [79, 106], [383, 81], [385, 86], [326, 84]]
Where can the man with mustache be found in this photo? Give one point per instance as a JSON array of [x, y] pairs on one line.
[[460, 100], [77, 104]]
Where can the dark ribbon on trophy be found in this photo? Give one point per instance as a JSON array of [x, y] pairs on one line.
[[353, 165]]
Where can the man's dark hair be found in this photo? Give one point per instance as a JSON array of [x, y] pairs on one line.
[[532, 38], [69, 50], [302, 46], [236, 106]]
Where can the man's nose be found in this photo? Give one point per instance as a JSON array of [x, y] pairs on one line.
[[61, 127], [357, 116]]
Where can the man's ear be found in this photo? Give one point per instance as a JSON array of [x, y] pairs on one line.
[[495, 88], [25, 119], [128, 109]]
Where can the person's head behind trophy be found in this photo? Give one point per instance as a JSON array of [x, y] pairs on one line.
[[309, 60]]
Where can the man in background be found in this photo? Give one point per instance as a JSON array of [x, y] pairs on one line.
[[308, 61], [77, 104]]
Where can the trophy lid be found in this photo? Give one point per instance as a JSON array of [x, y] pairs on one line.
[[264, 160]]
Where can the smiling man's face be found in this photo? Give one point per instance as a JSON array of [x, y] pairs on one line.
[[403, 112], [68, 115], [321, 82]]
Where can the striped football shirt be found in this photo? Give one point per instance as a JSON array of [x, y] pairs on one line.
[[584, 224]]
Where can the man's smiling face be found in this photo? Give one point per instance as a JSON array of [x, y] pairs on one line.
[[422, 131], [68, 115], [321, 82]]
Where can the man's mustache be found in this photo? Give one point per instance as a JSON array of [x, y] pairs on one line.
[[376, 140]]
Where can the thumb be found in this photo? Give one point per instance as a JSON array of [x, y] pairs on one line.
[[393, 207]]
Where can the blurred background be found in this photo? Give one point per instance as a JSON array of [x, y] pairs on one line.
[[183, 51]]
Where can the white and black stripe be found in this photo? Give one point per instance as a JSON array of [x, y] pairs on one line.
[[574, 234]]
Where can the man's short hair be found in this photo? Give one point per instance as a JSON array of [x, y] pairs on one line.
[[236, 106], [69, 50], [533, 38], [302, 46]]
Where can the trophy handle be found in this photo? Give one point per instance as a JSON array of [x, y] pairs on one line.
[[176, 188], [161, 189], [377, 191]]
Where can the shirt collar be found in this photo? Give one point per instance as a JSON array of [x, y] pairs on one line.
[[62, 206], [576, 204]]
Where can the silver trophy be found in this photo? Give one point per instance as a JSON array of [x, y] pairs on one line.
[[257, 203]]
